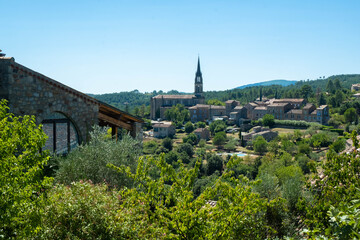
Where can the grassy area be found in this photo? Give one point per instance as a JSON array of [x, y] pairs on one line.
[[283, 131]]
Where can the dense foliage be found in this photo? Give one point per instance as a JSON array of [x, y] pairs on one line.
[[22, 184], [88, 162]]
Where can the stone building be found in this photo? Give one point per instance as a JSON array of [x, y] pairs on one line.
[[67, 115], [164, 129], [160, 103], [355, 87], [202, 133], [288, 109]]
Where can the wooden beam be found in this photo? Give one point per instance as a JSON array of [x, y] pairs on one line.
[[115, 122]]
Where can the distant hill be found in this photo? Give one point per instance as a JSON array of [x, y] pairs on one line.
[[280, 82]]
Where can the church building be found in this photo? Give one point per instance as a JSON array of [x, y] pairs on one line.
[[160, 103]]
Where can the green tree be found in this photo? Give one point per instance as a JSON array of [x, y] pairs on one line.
[[167, 143], [189, 127], [200, 125], [21, 177], [149, 147], [339, 145], [217, 126], [82, 210], [330, 87], [339, 98], [306, 91], [260, 145], [88, 162], [268, 120], [177, 114], [337, 192], [351, 115], [215, 102], [191, 139], [322, 99], [186, 148], [214, 163], [227, 210], [219, 139], [337, 84]]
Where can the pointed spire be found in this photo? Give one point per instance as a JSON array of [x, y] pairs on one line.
[[198, 66]]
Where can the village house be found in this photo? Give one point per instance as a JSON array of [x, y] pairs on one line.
[[164, 129], [202, 133], [260, 131], [288, 109], [355, 87]]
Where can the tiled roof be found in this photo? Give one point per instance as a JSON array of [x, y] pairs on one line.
[[322, 107], [252, 104], [239, 107], [308, 106], [230, 101], [162, 125], [260, 108], [199, 106], [199, 130], [278, 104], [217, 107], [290, 100], [175, 96], [295, 111]]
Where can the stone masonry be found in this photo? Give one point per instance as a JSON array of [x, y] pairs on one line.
[[31, 93]]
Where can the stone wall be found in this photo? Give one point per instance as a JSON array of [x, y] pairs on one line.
[[31, 93]]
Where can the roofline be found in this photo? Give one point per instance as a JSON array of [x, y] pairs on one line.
[[64, 87], [51, 81], [132, 117]]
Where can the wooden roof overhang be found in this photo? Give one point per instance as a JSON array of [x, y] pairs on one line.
[[109, 115]]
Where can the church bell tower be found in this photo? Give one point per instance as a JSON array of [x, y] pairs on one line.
[[198, 81]]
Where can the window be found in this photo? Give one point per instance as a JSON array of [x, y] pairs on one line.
[[61, 132]]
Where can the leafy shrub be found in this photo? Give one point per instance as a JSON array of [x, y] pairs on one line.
[[174, 211], [189, 127], [219, 139], [268, 120], [214, 163], [88, 162], [171, 157], [150, 147], [21, 182], [202, 143], [167, 143], [200, 125], [161, 149], [304, 148], [293, 123], [260, 145], [186, 148], [303, 163], [81, 211], [217, 126], [339, 131], [339, 145], [191, 139]]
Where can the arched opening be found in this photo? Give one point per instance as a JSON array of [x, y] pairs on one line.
[[61, 132]]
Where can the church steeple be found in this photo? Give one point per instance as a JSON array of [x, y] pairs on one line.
[[198, 81]]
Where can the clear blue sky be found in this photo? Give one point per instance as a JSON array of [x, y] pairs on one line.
[[108, 46]]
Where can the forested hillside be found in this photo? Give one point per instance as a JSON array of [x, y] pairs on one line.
[[280, 82]]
